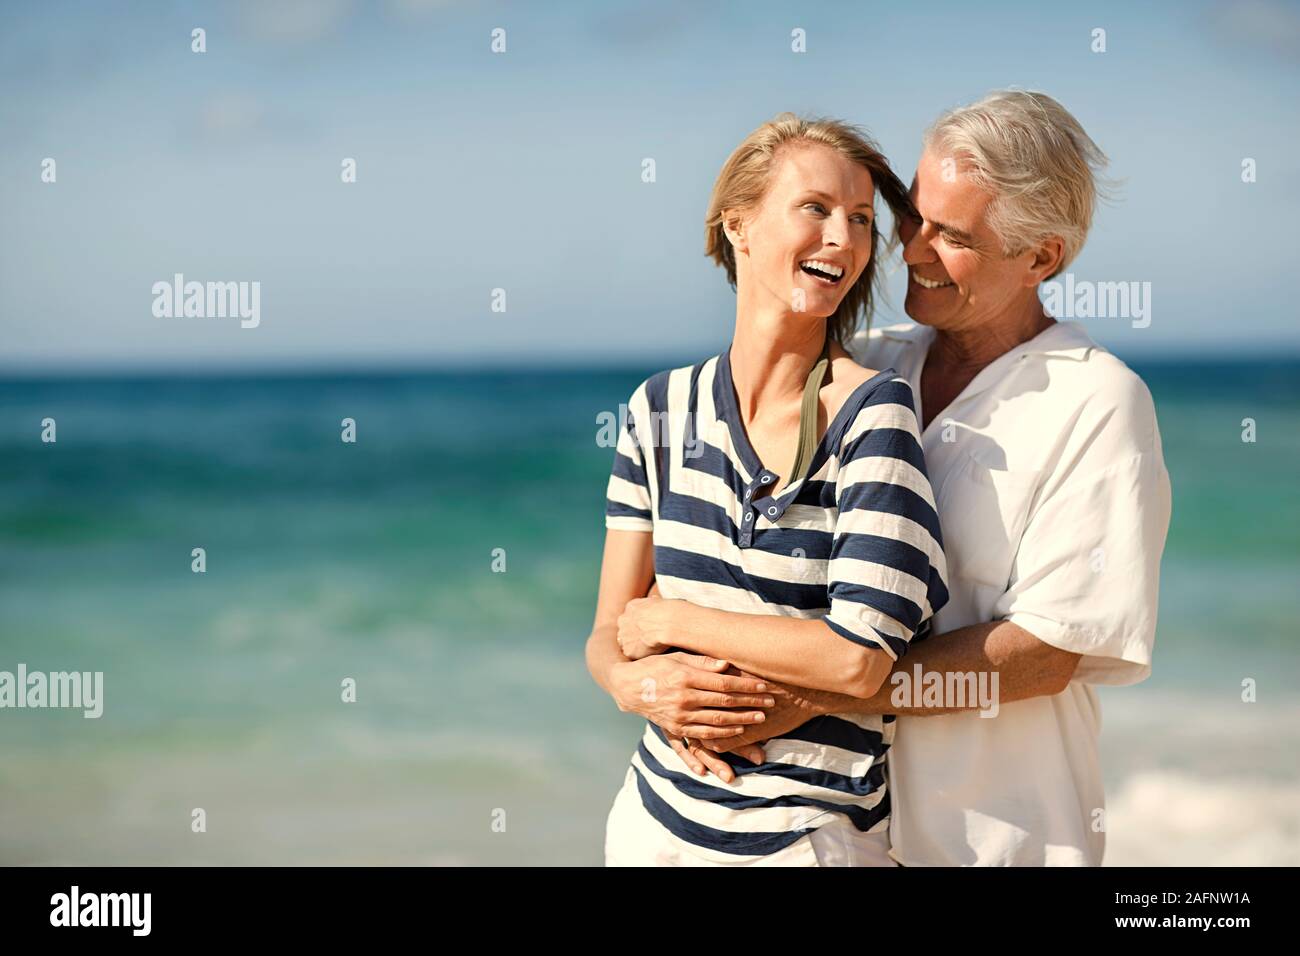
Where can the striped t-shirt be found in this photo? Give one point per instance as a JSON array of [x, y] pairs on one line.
[[856, 542]]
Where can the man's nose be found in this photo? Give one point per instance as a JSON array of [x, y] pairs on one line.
[[915, 249]]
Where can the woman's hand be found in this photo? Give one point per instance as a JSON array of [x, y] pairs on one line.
[[687, 694], [689, 697], [646, 626]]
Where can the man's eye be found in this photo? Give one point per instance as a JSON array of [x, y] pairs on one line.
[[953, 242]]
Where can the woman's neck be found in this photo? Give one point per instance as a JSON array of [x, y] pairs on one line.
[[771, 356]]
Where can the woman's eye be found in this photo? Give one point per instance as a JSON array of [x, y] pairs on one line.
[[818, 207]]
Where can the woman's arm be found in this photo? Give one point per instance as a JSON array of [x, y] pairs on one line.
[[626, 571], [686, 695], [806, 653]]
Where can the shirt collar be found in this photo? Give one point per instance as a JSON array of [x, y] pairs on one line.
[[724, 404], [772, 507], [1064, 340], [1068, 340], [1061, 339]]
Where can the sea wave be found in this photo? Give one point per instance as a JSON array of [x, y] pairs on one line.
[[1170, 818]]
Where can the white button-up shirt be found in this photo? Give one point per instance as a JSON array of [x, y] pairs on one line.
[[1054, 502]]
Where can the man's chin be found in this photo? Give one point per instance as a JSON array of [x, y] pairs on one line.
[[919, 315]]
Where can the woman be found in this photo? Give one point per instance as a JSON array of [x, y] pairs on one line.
[[779, 478]]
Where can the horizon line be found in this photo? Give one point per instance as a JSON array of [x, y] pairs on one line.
[[520, 365]]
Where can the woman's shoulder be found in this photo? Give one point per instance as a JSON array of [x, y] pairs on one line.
[[656, 391], [882, 405], [867, 391]]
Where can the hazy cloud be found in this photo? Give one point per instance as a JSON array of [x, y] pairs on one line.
[[1261, 25], [293, 22]]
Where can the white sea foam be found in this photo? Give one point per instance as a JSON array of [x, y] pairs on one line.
[[1200, 778], [1168, 818]]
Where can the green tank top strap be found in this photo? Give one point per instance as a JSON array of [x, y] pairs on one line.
[[808, 415]]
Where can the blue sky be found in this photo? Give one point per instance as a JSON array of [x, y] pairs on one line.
[[522, 170]]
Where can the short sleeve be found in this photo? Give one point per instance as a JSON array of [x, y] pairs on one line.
[[1086, 577], [627, 496], [1087, 574], [887, 574]]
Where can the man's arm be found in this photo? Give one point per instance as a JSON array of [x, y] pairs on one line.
[[1026, 667]]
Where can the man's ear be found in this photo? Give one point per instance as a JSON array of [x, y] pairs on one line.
[[1047, 260], [733, 224]]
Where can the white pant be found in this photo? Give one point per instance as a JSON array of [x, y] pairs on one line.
[[634, 838]]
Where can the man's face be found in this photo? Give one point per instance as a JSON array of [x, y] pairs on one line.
[[958, 277]]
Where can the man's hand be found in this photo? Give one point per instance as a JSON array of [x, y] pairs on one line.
[[794, 707]]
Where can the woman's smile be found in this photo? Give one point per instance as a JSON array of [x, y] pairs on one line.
[[823, 271]]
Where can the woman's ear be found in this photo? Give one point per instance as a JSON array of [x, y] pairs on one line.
[[733, 224]]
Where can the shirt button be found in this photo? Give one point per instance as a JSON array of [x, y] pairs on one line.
[[766, 478], [772, 511], [748, 517], [748, 495]]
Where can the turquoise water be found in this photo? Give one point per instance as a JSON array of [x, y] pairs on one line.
[[374, 561]]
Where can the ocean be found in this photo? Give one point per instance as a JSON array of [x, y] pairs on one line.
[[476, 735]]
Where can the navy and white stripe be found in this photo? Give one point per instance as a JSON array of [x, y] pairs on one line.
[[857, 542]]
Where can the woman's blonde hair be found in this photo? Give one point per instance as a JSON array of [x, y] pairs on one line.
[[744, 179], [1034, 157]]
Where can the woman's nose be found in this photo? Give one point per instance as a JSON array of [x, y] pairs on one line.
[[836, 231]]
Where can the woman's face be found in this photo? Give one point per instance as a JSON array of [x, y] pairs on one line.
[[814, 221]]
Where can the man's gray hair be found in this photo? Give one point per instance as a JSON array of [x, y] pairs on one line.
[[1027, 150]]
